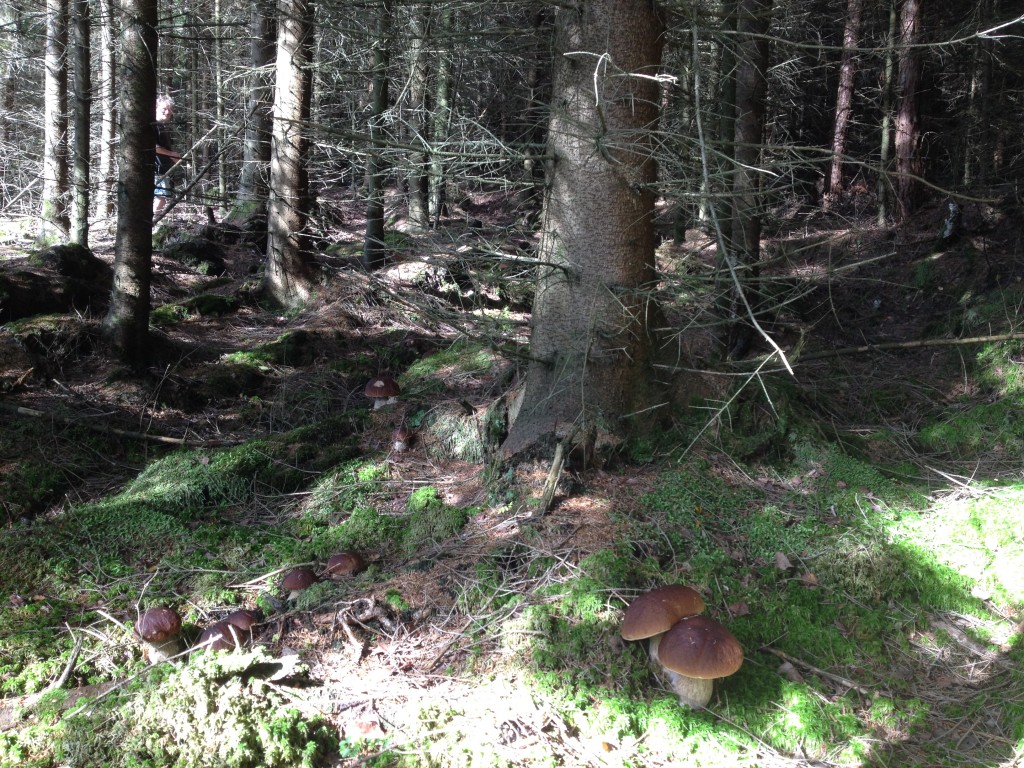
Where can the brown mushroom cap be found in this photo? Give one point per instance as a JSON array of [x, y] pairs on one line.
[[157, 625], [217, 637], [658, 610], [242, 619], [344, 564], [298, 580], [383, 387], [700, 647]]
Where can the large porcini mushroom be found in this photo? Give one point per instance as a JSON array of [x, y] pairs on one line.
[[655, 612], [693, 653], [158, 629], [297, 580], [383, 391], [343, 565]]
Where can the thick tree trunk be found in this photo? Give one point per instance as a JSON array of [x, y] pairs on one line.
[[252, 183], [83, 109], [441, 117], [844, 100], [374, 248], [288, 278], [908, 128], [592, 351], [55, 220], [126, 325]]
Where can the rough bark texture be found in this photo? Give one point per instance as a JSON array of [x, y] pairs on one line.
[[908, 129], [417, 180], [252, 183], [288, 276], [55, 221], [844, 99], [126, 325], [591, 351]]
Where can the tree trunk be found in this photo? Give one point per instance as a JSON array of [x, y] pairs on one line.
[[126, 325], [908, 129], [108, 110], [441, 118], [252, 183], [374, 248], [288, 278], [417, 178], [744, 245], [882, 189], [844, 100], [591, 352], [55, 222], [83, 108]]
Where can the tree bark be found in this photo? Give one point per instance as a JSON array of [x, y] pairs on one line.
[[908, 129], [417, 179], [592, 349], [252, 183], [126, 325], [288, 278], [440, 120], [83, 109], [844, 100], [374, 247], [882, 189], [55, 221], [744, 244], [108, 111]]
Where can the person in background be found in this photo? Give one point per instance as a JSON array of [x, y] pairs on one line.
[[165, 156]]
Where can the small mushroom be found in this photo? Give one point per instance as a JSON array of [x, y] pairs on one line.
[[243, 621], [693, 653], [383, 391], [158, 629], [401, 438], [220, 636], [344, 564], [298, 580]]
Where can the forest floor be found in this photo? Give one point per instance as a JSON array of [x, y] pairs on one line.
[[434, 654]]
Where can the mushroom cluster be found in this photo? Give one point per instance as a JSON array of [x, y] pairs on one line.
[[337, 567], [690, 649]]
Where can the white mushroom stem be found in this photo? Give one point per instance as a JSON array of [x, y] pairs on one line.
[[161, 650], [693, 692]]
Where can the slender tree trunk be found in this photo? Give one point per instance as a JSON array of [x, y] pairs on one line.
[[374, 248], [908, 129], [108, 110], [83, 109], [288, 277], [252, 184], [55, 222], [441, 118], [884, 186], [417, 179], [726, 128], [751, 92], [844, 100], [591, 351], [126, 325]]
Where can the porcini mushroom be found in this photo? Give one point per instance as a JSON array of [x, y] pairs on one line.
[[383, 391], [298, 580], [158, 630], [655, 612], [243, 621], [695, 651], [401, 438], [344, 564], [220, 636]]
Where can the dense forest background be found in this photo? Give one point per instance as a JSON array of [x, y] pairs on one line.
[[717, 293]]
